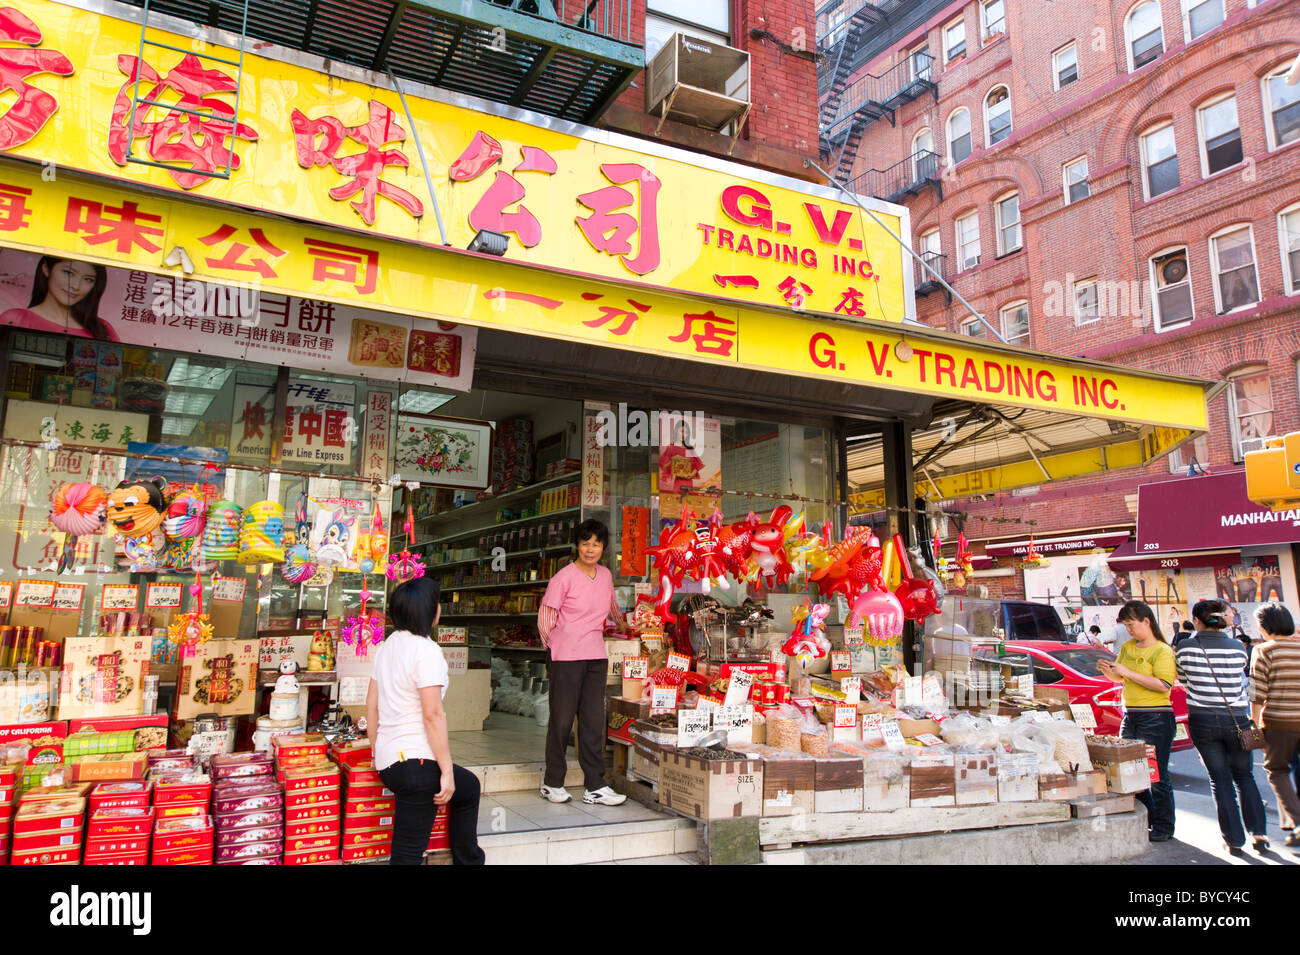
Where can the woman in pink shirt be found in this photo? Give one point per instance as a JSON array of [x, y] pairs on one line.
[[579, 599]]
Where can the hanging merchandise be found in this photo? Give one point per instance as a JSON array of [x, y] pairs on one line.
[[965, 559], [189, 629], [261, 537], [768, 545], [1032, 559], [182, 528], [808, 640], [221, 533], [918, 562], [78, 511], [735, 544], [837, 575], [336, 545], [878, 610], [135, 514], [917, 595], [298, 566], [942, 565], [365, 630], [378, 540], [407, 566]]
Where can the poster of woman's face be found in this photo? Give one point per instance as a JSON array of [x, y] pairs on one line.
[[51, 294]]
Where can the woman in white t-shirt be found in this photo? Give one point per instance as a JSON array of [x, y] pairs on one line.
[[407, 727]]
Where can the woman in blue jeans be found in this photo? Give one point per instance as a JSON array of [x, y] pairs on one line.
[[407, 728], [1211, 666]]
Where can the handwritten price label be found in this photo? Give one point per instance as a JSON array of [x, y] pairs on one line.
[[1060, 716], [664, 698], [739, 688], [636, 668], [162, 596], [456, 636], [37, 593], [999, 720], [913, 691], [841, 661], [872, 721], [929, 739], [691, 726], [119, 597], [1084, 716], [846, 715], [1025, 686], [892, 735], [6, 593], [851, 687], [737, 721], [855, 637], [678, 662], [229, 589], [69, 596]]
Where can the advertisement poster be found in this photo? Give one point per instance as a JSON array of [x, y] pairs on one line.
[[320, 423], [690, 452], [234, 321], [179, 474], [635, 539], [250, 422], [1083, 588]]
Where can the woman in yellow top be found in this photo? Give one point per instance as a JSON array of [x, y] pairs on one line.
[[1147, 668]]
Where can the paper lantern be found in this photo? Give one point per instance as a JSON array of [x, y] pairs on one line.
[[182, 528], [136, 508], [261, 536], [79, 508], [221, 533]]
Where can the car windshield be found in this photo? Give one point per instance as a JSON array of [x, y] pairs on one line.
[[1082, 659]]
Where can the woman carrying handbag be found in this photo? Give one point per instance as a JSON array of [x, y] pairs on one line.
[[1275, 695], [1211, 665]]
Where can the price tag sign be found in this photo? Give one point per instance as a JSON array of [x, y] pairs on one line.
[[353, 689], [206, 745], [707, 703], [37, 593], [1084, 716], [678, 662], [664, 698], [737, 721], [775, 656], [6, 593], [998, 720], [929, 739], [229, 589], [163, 596], [691, 726], [652, 644], [739, 688], [851, 687], [913, 691], [69, 596], [1025, 686], [456, 636], [1061, 716], [841, 661], [855, 637], [872, 721], [846, 715], [892, 735], [1038, 716], [643, 587], [457, 659], [119, 597], [636, 668]]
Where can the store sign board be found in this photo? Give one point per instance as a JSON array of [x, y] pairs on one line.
[[41, 421], [320, 424], [593, 463], [411, 280], [250, 423], [1208, 512], [377, 441]]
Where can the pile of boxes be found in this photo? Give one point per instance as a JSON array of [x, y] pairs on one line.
[[47, 831], [512, 455], [248, 813], [311, 799], [121, 824], [9, 777]]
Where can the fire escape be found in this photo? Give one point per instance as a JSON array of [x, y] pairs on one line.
[[848, 108]]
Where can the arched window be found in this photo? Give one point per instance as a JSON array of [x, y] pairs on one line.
[[997, 115], [959, 139], [1281, 108], [1250, 409], [1288, 237], [925, 164], [1143, 34]]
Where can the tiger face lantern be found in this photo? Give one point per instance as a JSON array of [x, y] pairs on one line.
[[137, 508]]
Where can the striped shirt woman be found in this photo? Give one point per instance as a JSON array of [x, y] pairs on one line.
[[1208, 660]]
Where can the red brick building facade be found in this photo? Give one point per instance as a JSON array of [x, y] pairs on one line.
[[1066, 204]]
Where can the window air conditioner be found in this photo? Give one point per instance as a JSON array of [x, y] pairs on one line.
[[699, 83]]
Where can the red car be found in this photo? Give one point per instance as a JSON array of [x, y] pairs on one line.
[[1073, 667]]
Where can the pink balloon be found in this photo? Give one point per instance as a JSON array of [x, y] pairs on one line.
[[880, 612]]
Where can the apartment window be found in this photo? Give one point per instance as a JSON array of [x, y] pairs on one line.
[[1220, 135], [1181, 457], [1008, 210], [1201, 16], [706, 19], [1282, 102], [968, 240], [959, 142], [1250, 409], [1075, 175], [1288, 236], [1065, 66], [1232, 257], [974, 328], [925, 164], [1172, 285], [1143, 34], [920, 62], [1085, 302], [995, 19], [928, 248], [997, 115], [1160, 159], [954, 40], [1015, 323]]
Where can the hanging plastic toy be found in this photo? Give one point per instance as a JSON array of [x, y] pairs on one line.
[[221, 533], [298, 566], [964, 556], [364, 630], [917, 595], [808, 640], [78, 511], [335, 548], [879, 611], [135, 513], [407, 566], [378, 541]]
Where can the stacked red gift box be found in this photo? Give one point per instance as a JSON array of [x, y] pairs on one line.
[[47, 831], [9, 778], [121, 823], [311, 799], [183, 832], [248, 807], [367, 815]]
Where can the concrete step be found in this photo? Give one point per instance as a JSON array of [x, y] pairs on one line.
[[522, 777], [645, 841]]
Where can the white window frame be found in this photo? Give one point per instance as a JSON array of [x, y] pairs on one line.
[[1142, 157], [964, 328], [1154, 286], [943, 38], [1234, 427], [1291, 281], [1129, 38], [984, 22], [1203, 143], [1056, 69], [1096, 302], [923, 47], [916, 148], [923, 247], [959, 259], [948, 137], [1214, 267], [1065, 179], [1011, 119], [1187, 6], [998, 225], [1266, 103], [1003, 313]]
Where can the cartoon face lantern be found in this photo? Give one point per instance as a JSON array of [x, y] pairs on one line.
[[136, 508], [262, 538], [182, 526], [221, 533]]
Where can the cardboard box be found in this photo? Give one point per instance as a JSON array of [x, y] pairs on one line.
[[1112, 753], [643, 760], [151, 731], [1130, 776], [789, 779], [182, 833], [886, 780], [932, 780], [322, 857], [220, 678], [1059, 787], [1017, 777], [837, 784], [103, 676], [45, 739], [977, 778], [716, 789], [915, 728], [631, 709]]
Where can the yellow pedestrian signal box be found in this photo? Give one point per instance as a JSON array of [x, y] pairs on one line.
[[1273, 474]]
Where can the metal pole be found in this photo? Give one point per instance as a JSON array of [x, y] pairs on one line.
[[925, 265], [419, 148]]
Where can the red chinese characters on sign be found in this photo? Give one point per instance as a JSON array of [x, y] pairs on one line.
[[344, 263], [311, 424], [14, 210], [851, 303], [609, 231], [795, 292], [125, 225], [234, 260], [33, 107], [739, 281], [253, 419], [318, 142], [712, 334], [379, 409], [626, 317], [492, 212], [201, 137]]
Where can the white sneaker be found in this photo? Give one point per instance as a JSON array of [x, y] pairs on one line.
[[555, 794], [604, 796]]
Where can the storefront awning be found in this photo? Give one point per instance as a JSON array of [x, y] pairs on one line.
[[1126, 557], [1206, 513], [1057, 545]]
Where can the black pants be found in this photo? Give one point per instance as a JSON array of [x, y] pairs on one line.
[[415, 782], [1214, 732], [1155, 729], [577, 689]]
